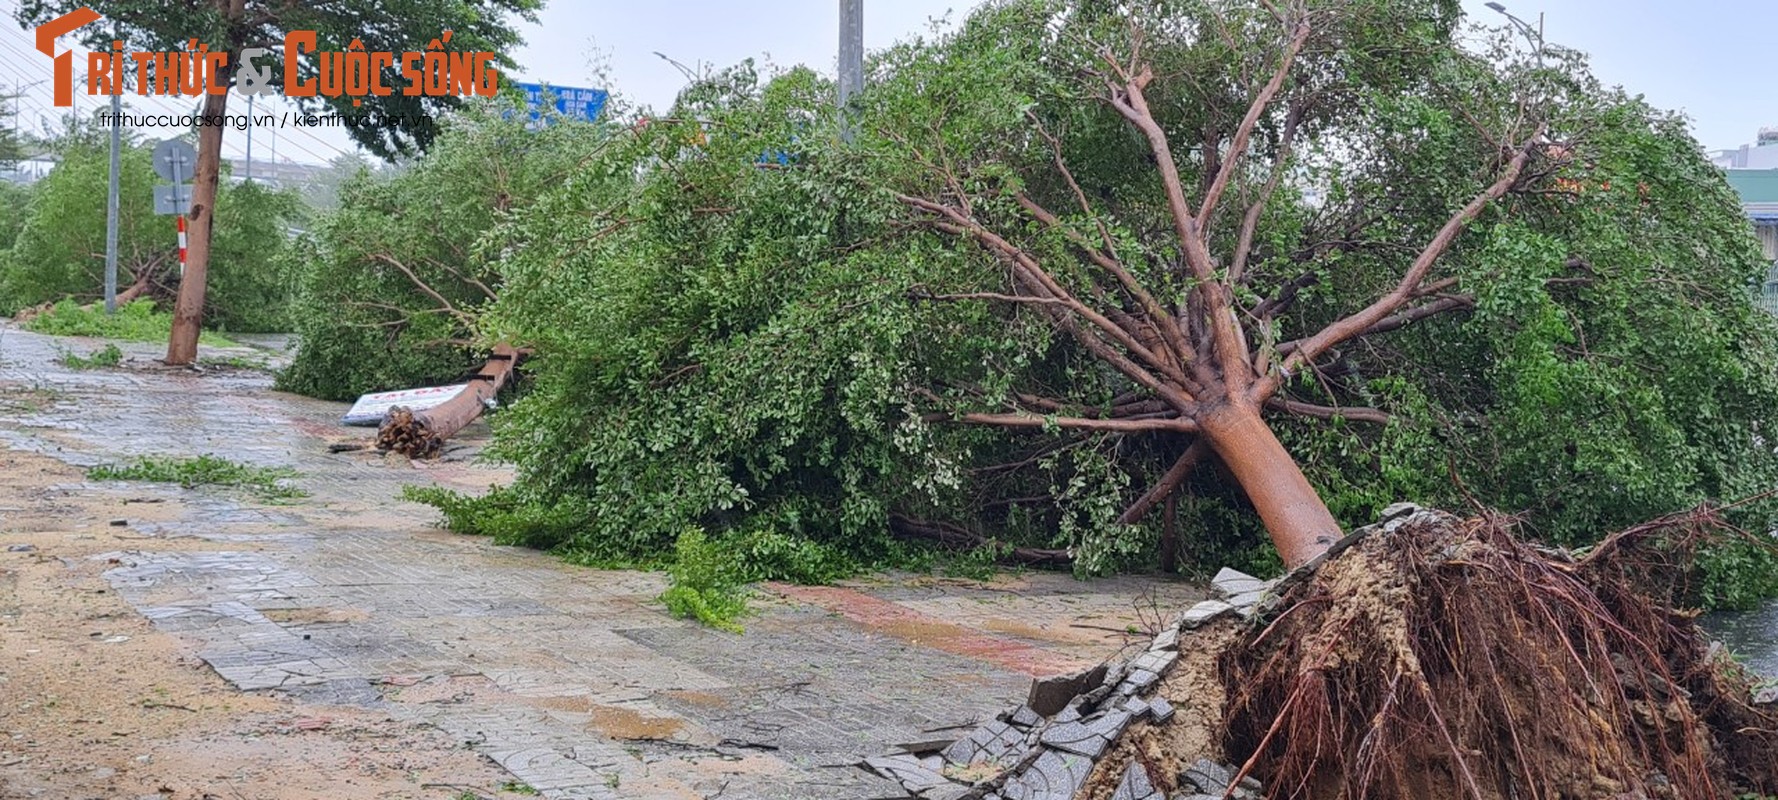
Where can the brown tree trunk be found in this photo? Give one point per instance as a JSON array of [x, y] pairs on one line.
[[1299, 522], [421, 434], [144, 278], [188, 312]]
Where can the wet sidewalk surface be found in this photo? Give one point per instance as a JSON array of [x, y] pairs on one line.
[[574, 680]]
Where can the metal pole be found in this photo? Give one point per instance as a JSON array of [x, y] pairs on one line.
[[111, 203], [851, 59], [250, 137]]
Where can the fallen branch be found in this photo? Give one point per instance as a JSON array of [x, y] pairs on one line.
[[952, 535]]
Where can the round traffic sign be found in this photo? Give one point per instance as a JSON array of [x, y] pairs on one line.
[[175, 160]]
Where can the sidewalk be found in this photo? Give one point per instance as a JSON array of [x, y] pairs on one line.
[[574, 680]]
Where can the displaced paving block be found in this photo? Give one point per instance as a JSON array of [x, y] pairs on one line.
[[1232, 582], [1161, 709], [1139, 681], [1054, 775], [1157, 662], [906, 770], [949, 791], [1168, 640], [1207, 776], [990, 742], [1024, 717], [1204, 612], [1136, 785], [1136, 707], [1050, 695], [1088, 737]]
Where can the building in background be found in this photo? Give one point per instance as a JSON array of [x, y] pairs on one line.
[[1758, 189], [1762, 154]]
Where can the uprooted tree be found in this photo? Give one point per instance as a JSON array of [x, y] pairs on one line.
[[1327, 252]]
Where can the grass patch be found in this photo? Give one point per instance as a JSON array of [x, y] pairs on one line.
[[267, 483], [136, 322], [107, 356]]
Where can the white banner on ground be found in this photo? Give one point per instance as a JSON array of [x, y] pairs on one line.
[[369, 409]]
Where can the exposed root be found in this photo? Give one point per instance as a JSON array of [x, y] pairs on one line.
[[1443, 658]]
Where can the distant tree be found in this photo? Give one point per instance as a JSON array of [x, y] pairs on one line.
[[59, 248], [387, 125]]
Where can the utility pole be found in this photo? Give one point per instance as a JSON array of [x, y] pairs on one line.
[[851, 60], [250, 137], [111, 202]]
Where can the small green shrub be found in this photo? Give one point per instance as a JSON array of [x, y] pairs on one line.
[[267, 483], [705, 584], [107, 356], [136, 322]]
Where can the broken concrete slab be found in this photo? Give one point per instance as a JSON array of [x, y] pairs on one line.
[[908, 771], [1136, 785], [1167, 640], [1055, 775], [1204, 612], [988, 743], [1207, 776], [1088, 737], [1050, 695], [1230, 582]]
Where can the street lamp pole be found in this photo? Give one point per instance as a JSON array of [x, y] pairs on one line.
[[1530, 33]]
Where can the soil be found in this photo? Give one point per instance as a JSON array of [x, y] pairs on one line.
[[94, 703], [1194, 688]]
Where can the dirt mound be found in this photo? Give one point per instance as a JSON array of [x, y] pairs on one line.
[[1439, 657]]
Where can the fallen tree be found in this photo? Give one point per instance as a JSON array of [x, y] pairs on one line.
[[421, 434]]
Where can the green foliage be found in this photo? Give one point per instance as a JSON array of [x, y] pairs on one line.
[[267, 483], [58, 247], [736, 348], [134, 322], [704, 585], [107, 356], [389, 283]]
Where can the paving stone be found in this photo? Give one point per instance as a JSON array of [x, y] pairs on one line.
[[907, 771], [1135, 785], [1204, 612], [1136, 707], [1154, 661], [949, 791], [1167, 640], [1055, 775], [1088, 737], [1161, 709], [1139, 681], [1231, 582], [987, 743], [1207, 776], [1025, 717]]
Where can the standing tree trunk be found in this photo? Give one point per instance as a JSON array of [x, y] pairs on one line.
[[188, 312]]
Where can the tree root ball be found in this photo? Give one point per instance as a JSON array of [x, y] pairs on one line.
[[1444, 658]]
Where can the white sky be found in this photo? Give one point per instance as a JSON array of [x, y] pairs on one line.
[[1709, 58]]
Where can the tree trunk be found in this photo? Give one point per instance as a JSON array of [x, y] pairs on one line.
[[421, 434], [188, 312], [1297, 519]]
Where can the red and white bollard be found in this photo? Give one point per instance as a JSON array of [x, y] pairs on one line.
[[181, 245]]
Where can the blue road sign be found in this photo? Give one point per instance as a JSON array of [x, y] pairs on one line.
[[583, 104]]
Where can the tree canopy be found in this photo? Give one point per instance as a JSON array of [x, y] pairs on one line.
[[1444, 267]]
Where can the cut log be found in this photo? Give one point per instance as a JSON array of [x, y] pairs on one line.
[[421, 434]]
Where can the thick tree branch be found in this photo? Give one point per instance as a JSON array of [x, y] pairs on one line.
[[1354, 413], [1168, 483], [1400, 320], [1231, 162], [1026, 420], [1359, 322], [423, 287]]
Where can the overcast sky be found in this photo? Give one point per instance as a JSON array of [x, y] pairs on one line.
[[1708, 59]]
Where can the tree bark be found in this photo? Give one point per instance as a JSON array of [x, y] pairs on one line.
[[1300, 524], [421, 434], [188, 312]]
